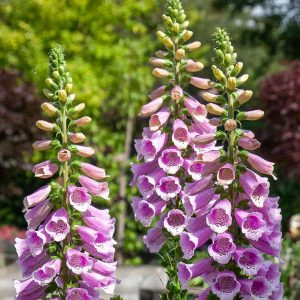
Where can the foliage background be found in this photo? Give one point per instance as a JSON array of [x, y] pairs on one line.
[[108, 44]]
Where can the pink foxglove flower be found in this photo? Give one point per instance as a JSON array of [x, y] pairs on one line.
[[170, 160], [159, 119], [180, 136], [60, 215], [154, 239], [45, 169], [175, 221]]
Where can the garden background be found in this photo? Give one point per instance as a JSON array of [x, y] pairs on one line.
[[108, 44]]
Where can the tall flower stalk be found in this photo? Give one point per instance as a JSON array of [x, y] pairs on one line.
[[68, 251], [241, 221], [170, 167]]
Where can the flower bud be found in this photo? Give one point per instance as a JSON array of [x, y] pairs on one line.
[[193, 66], [218, 73], [161, 54], [252, 115], [193, 46], [55, 74], [44, 125], [186, 35], [180, 54], [231, 83], [244, 97], [209, 97], [42, 145], [200, 83], [78, 108], [176, 27], [62, 95], [215, 109], [64, 155], [50, 83], [77, 137], [83, 121], [157, 62], [228, 59], [168, 42], [176, 93], [48, 93], [160, 34], [203, 139], [84, 151], [237, 69], [69, 87], [249, 143], [49, 109], [242, 79], [215, 121], [151, 107], [185, 24], [248, 133], [160, 73], [230, 125]]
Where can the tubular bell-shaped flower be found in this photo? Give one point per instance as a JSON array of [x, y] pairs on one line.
[[240, 219], [68, 250], [171, 178]]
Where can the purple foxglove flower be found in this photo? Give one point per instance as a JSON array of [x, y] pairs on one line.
[[249, 260], [219, 218], [252, 224], [78, 262], [159, 119], [151, 145], [92, 171], [34, 216], [143, 211], [222, 248], [196, 109], [99, 189], [277, 293], [147, 183], [157, 92], [210, 168], [256, 187], [261, 165], [260, 289], [35, 240], [189, 242], [180, 136], [44, 275], [209, 156], [197, 223], [186, 272], [93, 279], [175, 221], [170, 160], [38, 196], [151, 107], [193, 168], [58, 227], [168, 187], [264, 246], [98, 213], [77, 293], [274, 238], [198, 186], [176, 93], [226, 285], [154, 239], [271, 272], [94, 293], [45, 169], [27, 288], [99, 224], [248, 143], [79, 198], [104, 268], [226, 174], [141, 169], [192, 203]]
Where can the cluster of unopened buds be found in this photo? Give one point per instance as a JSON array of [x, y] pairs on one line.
[[68, 251], [196, 192]]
